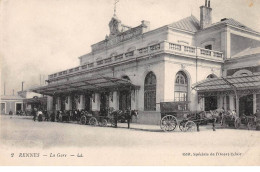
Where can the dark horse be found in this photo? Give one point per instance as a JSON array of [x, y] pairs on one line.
[[203, 118], [212, 116], [123, 116]]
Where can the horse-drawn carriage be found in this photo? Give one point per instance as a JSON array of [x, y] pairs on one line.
[[188, 121], [249, 121], [229, 119], [110, 117], [93, 119]]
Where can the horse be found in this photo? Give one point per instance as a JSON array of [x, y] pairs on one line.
[[63, 116], [211, 116], [123, 116]]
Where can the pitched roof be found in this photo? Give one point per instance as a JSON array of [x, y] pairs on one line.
[[235, 23], [247, 52], [190, 24]]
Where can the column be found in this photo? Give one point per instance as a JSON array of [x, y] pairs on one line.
[[225, 102], [220, 102], [49, 103], [226, 43], [68, 104], [137, 99], [96, 102], [231, 102], [113, 101], [202, 103], [58, 103], [81, 102], [254, 103], [133, 99]]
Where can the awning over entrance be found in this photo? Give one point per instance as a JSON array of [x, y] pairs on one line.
[[245, 84], [86, 84]]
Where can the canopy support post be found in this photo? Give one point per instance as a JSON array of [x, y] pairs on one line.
[[236, 94]]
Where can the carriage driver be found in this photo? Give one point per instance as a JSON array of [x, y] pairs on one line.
[[257, 115], [128, 117]]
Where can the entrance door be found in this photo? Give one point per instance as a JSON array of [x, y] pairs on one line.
[[18, 106], [104, 102], [2, 108], [88, 102], [63, 99], [73, 102], [211, 103], [246, 105], [124, 100]]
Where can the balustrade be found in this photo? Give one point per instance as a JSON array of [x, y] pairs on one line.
[[167, 46]]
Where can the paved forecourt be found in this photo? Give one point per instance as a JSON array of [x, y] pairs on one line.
[[147, 142]]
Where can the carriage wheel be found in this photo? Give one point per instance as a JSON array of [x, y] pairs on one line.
[[182, 126], [237, 123], [112, 122], [250, 125], [190, 126], [93, 121], [168, 123], [103, 123], [83, 120]]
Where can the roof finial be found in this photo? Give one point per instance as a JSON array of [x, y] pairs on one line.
[[116, 1]]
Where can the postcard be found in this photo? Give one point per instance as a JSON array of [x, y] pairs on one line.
[[130, 83]]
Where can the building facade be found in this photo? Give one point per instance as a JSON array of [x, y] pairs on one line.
[[11, 103], [137, 68], [32, 100], [24, 101]]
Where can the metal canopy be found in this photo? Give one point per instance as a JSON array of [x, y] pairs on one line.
[[87, 84], [36, 100], [240, 83]]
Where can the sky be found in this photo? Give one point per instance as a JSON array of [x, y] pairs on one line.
[[41, 37]]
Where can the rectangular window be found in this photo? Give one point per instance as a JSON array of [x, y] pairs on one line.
[[2, 108], [180, 96]]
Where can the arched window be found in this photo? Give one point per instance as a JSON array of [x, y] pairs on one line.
[[212, 76], [150, 92], [181, 87], [126, 77], [242, 72]]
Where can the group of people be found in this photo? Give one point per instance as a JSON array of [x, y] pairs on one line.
[[38, 114]]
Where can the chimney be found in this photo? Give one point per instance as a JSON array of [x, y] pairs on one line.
[[205, 15], [22, 85], [145, 25]]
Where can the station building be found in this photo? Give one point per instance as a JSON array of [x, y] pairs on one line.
[[137, 68]]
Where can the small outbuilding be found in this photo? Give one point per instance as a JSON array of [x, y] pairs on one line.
[[11, 104]]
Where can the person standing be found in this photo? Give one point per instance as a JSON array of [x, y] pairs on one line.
[[39, 115], [34, 113], [116, 116], [257, 115], [128, 117]]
